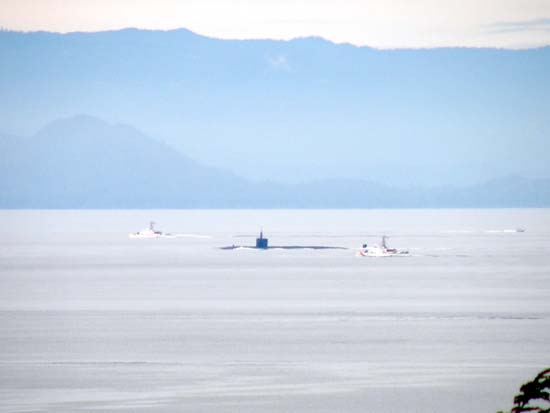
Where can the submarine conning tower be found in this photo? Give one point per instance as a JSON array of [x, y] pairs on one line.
[[261, 242]]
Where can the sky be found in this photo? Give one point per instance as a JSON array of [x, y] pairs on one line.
[[515, 24]]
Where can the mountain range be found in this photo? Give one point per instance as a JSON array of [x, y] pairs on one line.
[[85, 162], [291, 112]]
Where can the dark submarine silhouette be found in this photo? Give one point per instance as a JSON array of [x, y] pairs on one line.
[[263, 244]]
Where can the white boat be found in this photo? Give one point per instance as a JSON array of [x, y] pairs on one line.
[[150, 232], [380, 250]]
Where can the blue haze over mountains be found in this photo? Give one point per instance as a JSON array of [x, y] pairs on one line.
[[263, 123]]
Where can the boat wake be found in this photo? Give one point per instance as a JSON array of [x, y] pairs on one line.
[[151, 232], [487, 231], [182, 235], [504, 231]]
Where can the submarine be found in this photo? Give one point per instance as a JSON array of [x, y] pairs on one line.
[[262, 243]]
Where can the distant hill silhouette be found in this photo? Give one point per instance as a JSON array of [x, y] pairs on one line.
[[84, 162], [294, 111]]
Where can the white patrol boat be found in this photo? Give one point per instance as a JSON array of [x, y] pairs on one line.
[[380, 250], [150, 232]]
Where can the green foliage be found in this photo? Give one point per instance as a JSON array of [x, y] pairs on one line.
[[534, 396]]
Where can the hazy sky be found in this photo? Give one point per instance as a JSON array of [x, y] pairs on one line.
[[377, 23]]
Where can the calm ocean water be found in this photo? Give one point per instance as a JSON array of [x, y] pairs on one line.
[[91, 320]]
